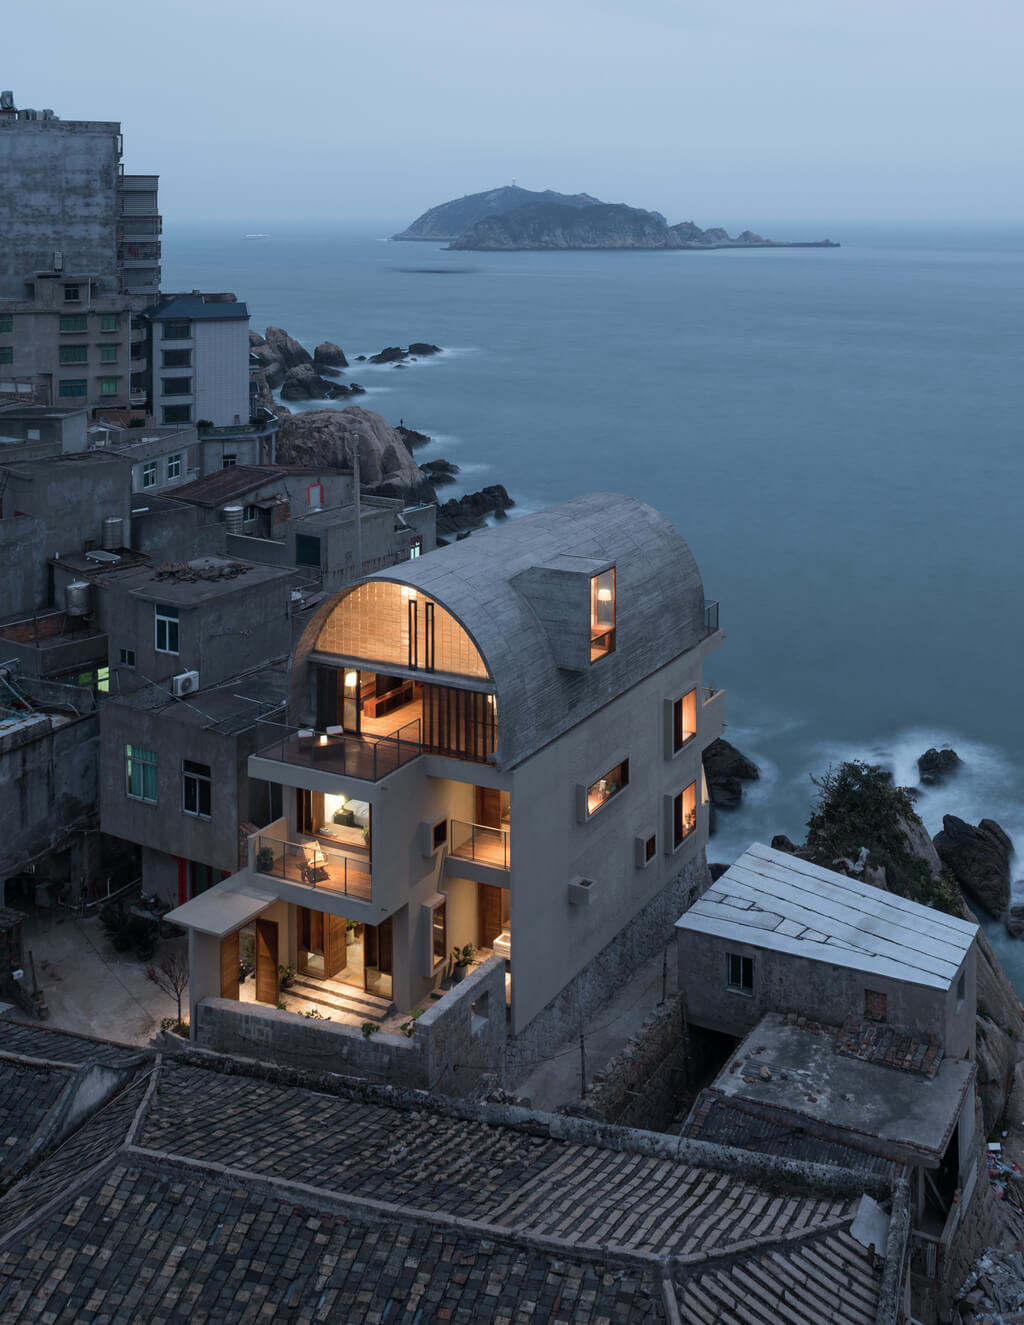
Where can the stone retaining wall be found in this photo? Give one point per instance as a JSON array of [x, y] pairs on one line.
[[638, 1087]]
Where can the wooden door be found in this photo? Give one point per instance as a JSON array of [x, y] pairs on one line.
[[335, 930], [229, 963], [311, 939], [488, 807], [489, 926], [267, 984]]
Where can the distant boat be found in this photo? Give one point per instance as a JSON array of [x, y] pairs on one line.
[[257, 236]]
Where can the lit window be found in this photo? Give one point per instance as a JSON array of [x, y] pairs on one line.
[[127, 657], [739, 973], [602, 614], [174, 466], [72, 354], [108, 354], [196, 783], [71, 294], [74, 387], [166, 621], [149, 474], [684, 814], [108, 322], [140, 773], [6, 353], [108, 386], [73, 324], [601, 791], [416, 550], [684, 720], [439, 932]]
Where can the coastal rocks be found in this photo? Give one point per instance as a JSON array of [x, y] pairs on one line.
[[462, 514], [324, 437], [936, 766], [726, 769], [1014, 920], [303, 382], [421, 349], [330, 354], [286, 349], [979, 860], [396, 355], [411, 437], [440, 472]]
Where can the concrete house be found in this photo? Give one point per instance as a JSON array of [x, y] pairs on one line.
[[497, 745]]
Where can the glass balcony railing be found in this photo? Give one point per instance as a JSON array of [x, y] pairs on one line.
[[313, 864], [369, 758], [486, 846]]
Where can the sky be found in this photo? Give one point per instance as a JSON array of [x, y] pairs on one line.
[[733, 114]]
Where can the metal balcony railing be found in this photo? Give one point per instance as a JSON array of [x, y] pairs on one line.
[[315, 865], [710, 615], [477, 842]]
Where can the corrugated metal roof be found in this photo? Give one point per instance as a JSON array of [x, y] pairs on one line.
[[785, 904]]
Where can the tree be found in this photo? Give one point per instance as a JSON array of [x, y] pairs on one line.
[[171, 975]]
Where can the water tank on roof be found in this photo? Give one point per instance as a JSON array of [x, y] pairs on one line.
[[234, 518], [78, 598], [113, 533]]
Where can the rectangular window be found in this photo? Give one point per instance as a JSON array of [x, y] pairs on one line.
[[196, 782], [6, 322], [127, 657], [73, 354], [650, 848], [439, 932], [876, 1005], [602, 614], [166, 621], [177, 413], [177, 331], [684, 814], [307, 550], [74, 324], [229, 461], [416, 550], [108, 354], [684, 721], [176, 386], [601, 791], [140, 773], [71, 294], [739, 975], [149, 474], [108, 386], [251, 513], [108, 322], [74, 387], [177, 358], [174, 466], [6, 353]]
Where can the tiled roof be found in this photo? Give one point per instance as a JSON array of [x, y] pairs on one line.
[[899, 1047], [52, 1046], [224, 485], [27, 1093], [230, 1198]]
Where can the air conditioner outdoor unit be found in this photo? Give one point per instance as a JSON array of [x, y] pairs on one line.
[[185, 683]]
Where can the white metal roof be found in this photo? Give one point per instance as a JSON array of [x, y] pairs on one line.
[[779, 902]]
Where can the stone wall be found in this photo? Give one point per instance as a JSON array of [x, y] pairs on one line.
[[452, 1043], [638, 1087], [645, 934]]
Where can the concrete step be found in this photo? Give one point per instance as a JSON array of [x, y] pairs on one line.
[[343, 998]]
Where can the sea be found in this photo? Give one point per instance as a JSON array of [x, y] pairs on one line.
[[837, 433]]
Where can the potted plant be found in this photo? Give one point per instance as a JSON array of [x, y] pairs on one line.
[[351, 930], [286, 974], [462, 959], [265, 860]]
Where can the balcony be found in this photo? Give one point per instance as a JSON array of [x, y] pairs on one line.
[[335, 751], [476, 842], [712, 715], [312, 864]]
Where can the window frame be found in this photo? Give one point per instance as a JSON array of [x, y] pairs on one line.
[[74, 322], [73, 293], [139, 759], [176, 359], [602, 632], [6, 353], [680, 833], [744, 971], [72, 354], [171, 414], [175, 386], [108, 353], [172, 330], [439, 949], [126, 657], [197, 785], [108, 322], [6, 324], [166, 623], [620, 774], [680, 738], [73, 388], [149, 474], [108, 386], [174, 465]]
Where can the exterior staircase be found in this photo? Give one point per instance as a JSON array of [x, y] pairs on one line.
[[334, 999]]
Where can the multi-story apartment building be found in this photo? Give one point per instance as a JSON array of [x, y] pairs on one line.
[[80, 255], [199, 352], [496, 745]]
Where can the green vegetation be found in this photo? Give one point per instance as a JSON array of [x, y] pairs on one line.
[[857, 806], [369, 1028]]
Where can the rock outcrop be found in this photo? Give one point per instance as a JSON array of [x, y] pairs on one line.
[[979, 860], [286, 349], [324, 437], [395, 353], [936, 766], [463, 514], [303, 382], [330, 354], [726, 769]]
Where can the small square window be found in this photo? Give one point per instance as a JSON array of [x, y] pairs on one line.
[[108, 386], [602, 791], [251, 513], [108, 322], [108, 354], [229, 461], [739, 974], [72, 295], [127, 657]]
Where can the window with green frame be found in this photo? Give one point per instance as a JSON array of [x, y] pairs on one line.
[[108, 354], [76, 386], [108, 386], [6, 322], [140, 773], [74, 323], [109, 322], [6, 353], [74, 353]]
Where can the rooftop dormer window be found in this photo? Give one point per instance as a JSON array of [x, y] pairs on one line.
[[602, 614]]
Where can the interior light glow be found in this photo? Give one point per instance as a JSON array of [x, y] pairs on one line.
[[351, 679]]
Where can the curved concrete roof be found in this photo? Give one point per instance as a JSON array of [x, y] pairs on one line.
[[485, 582]]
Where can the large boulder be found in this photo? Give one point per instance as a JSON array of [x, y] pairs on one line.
[[329, 353], [422, 347], [323, 437], [390, 354], [274, 374], [726, 769], [936, 766], [303, 382], [286, 349], [463, 514], [979, 860]]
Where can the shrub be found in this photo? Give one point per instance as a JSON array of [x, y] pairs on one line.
[[369, 1028]]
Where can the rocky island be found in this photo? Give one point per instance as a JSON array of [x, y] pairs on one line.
[[510, 219]]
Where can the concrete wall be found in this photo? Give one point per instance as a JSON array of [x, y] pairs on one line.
[[177, 531], [783, 983], [221, 367]]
